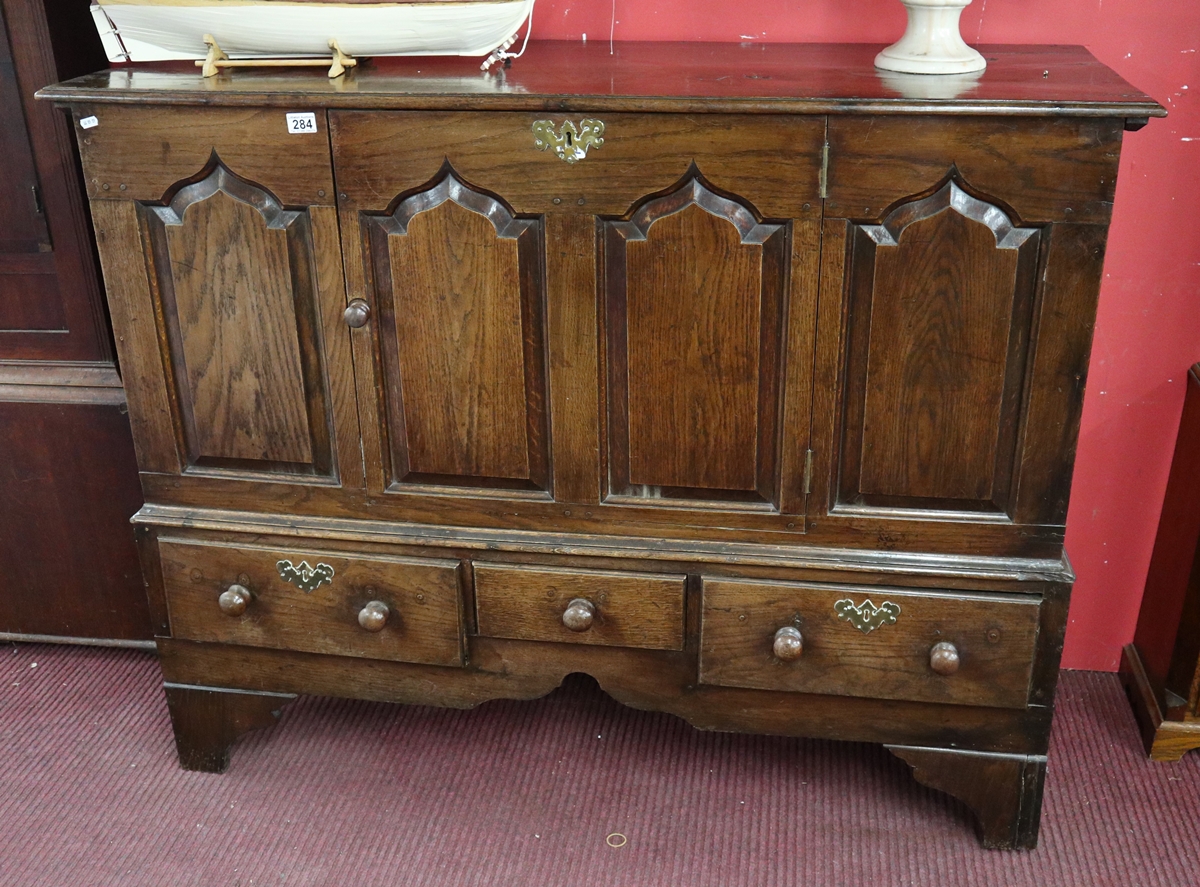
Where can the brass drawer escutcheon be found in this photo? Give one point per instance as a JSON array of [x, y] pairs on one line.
[[304, 577], [570, 144], [866, 617]]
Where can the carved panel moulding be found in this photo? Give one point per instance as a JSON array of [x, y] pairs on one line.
[[460, 337], [234, 273], [693, 327]]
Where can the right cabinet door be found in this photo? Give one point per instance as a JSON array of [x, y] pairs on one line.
[[962, 260]]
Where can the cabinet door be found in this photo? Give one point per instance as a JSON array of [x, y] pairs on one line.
[[968, 255], [221, 258], [614, 312]]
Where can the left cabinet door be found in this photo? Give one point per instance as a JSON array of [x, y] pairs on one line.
[[219, 242]]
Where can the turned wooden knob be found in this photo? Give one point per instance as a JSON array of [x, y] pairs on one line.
[[579, 614], [374, 616], [357, 314], [234, 599], [789, 644], [943, 658]]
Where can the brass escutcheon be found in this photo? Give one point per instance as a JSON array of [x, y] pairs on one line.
[[569, 143], [866, 617], [304, 577]]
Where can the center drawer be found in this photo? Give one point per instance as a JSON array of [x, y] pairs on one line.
[[580, 606], [968, 648], [314, 601]]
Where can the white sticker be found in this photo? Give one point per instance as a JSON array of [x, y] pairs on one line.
[[302, 122], [89, 122]]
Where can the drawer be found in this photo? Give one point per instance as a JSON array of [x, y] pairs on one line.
[[875, 642], [311, 600], [621, 610]]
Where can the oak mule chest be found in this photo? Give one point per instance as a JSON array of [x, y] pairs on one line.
[[744, 379]]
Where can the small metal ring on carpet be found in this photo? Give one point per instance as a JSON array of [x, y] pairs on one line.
[[618, 837]]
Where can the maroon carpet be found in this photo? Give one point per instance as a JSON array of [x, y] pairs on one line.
[[351, 793]]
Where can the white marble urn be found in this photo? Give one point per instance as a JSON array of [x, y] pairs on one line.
[[932, 43]]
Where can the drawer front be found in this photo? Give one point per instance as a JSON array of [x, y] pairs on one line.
[[874, 642], [626, 609], [310, 600]]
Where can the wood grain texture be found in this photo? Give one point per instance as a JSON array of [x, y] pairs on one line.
[[68, 486], [977, 572], [571, 323], [208, 720], [334, 336], [232, 310], [1003, 791], [831, 337], [1046, 170], [422, 595], [1164, 738], [694, 301], [772, 164], [457, 287], [683, 77], [672, 306], [1070, 289], [631, 609], [23, 222], [1168, 626], [30, 299], [256, 143], [135, 326], [940, 320], [51, 302], [643, 679], [995, 637], [799, 351]]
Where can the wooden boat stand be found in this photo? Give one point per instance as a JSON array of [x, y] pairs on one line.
[[217, 59]]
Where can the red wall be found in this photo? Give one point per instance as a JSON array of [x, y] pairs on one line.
[[1148, 330]]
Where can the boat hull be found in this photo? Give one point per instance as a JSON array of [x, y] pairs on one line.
[[134, 32]]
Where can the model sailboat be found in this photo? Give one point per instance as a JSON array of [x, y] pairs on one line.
[[155, 30]]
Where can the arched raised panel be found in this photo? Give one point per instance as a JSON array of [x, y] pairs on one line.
[[457, 287], [694, 302], [235, 275], [941, 307]]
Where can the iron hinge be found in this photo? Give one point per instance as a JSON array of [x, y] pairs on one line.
[[808, 457], [37, 200]]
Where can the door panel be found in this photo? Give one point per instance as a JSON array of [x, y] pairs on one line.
[[942, 298], [694, 295], [246, 301], [458, 290], [232, 308]]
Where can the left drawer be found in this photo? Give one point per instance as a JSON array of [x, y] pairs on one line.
[[315, 601]]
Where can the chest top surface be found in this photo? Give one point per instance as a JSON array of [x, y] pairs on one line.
[[671, 77]]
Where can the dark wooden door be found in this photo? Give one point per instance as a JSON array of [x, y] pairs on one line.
[[220, 231], [960, 251], [618, 314], [50, 300]]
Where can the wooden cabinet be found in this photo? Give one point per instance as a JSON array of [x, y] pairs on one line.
[[727, 375], [68, 477], [1161, 668]]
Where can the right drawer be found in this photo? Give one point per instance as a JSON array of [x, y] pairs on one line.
[[885, 643]]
